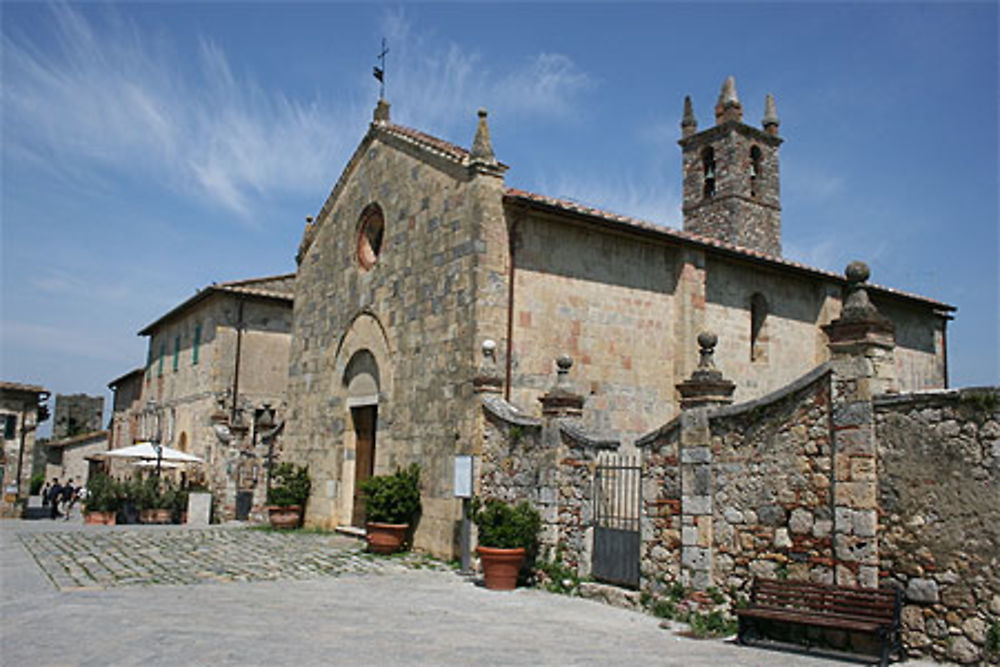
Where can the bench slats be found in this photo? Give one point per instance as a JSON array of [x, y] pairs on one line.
[[863, 610]]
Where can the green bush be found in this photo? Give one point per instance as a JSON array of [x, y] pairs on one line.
[[505, 526], [393, 498], [290, 485], [993, 639], [37, 480], [103, 494]]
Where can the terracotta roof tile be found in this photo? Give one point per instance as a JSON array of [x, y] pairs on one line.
[[514, 194]]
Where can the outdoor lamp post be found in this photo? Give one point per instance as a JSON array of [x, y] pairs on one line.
[[264, 420]]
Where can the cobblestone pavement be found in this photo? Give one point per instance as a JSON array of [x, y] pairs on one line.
[[144, 555], [159, 595]]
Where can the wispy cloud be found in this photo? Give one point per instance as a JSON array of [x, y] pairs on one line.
[[112, 97], [103, 93], [441, 85]]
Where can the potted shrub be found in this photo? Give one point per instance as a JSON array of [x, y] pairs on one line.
[[288, 495], [391, 504], [507, 534], [100, 506], [153, 503]]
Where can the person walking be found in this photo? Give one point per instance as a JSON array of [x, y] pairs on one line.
[[67, 497], [45, 495], [55, 493]]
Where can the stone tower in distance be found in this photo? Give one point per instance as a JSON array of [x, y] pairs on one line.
[[731, 183]]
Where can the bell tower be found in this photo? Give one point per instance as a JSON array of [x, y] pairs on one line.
[[731, 183]]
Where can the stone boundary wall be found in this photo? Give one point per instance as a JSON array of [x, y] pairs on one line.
[[550, 462], [660, 549], [939, 505], [771, 463]]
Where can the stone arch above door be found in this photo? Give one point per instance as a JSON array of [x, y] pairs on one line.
[[363, 358]]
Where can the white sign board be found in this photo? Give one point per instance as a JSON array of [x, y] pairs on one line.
[[463, 476]]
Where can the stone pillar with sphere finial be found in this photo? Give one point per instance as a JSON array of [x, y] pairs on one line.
[[861, 343], [561, 400], [704, 390]]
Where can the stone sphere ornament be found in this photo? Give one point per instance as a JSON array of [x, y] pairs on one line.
[[857, 272]]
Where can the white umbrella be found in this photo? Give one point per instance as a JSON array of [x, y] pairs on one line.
[[166, 465], [146, 450]]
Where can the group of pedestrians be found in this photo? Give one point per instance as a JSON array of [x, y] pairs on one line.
[[60, 498]]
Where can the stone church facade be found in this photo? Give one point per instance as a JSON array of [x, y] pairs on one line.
[[422, 259]]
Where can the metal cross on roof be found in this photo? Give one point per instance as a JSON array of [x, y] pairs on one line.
[[379, 70]]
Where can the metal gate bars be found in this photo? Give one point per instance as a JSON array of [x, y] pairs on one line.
[[617, 502]]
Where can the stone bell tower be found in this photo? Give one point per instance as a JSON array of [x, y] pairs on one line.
[[731, 184]]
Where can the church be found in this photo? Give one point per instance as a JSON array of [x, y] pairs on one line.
[[423, 266]]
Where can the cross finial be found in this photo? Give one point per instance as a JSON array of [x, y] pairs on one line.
[[379, 70]]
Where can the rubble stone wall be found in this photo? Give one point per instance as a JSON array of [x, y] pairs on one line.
[[939, 504], [771, 462]]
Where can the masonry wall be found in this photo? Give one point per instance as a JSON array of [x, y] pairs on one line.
[[607, 301], [939, 506], [422, 312], [772, 463]]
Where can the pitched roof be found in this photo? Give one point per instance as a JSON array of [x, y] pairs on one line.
[[280, 288], [24, 388], [77, 439], [626, 223], [122, 378]]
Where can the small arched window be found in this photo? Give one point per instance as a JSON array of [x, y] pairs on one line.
[[758, 318], [754, 170], [708, 171], [371, 231]]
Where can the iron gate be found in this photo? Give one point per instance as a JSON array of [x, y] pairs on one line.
[[617, 501]]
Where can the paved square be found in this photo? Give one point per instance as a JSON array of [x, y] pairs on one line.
[[169, 595]]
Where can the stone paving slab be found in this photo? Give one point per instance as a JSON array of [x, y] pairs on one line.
[[244, 597], [137, 555]]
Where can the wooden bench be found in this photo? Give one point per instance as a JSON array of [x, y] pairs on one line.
[[870, 611]]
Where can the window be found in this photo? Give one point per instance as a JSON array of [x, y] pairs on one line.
[[371, 231], [758, 316], [754, 170], [163, 352], [708, 170], [194, 346], [9, 427], [177, 352]]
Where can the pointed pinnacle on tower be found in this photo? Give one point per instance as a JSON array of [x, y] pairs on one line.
[[381, 114], [728, 107], [482, 149], [689, 124], [770, 121]]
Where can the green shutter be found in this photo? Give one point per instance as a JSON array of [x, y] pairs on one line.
[[197, 342], [177, 352], [163, 353]]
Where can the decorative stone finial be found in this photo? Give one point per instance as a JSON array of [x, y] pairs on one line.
[[561, 400], [770, 121], [487, 379], [381, 115], [481, 153], [707, 341], [857, 305], [706, 386], [689, 124], [728, 106]]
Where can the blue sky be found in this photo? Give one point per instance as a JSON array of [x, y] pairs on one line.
[[151, 149]]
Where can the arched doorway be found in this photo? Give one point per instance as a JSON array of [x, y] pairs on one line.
[[361, 378]]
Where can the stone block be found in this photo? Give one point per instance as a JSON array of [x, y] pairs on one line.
[[922, 590], [865, 523], [781, 539], [772, 515], [801, 521]]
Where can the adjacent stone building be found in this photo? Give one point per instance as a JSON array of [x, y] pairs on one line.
[[216, 370], [76, 414], [421, 256], [22, 408], [73, 458]]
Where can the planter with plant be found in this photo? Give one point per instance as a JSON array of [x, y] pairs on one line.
[[102, 500], [288, 495], [508, 535], [152, 501], [391, 506]]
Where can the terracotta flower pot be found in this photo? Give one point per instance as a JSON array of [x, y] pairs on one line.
[[99, 518], [500, 567], [385, 538], [285, 518]]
